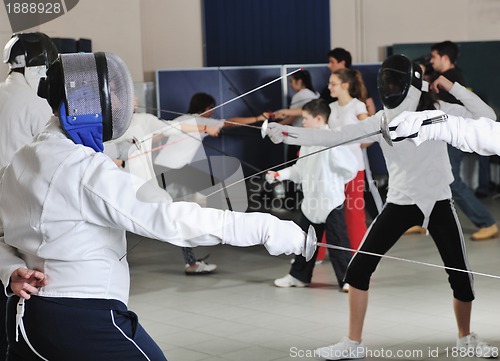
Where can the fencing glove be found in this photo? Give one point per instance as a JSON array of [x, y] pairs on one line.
[[247, 229]]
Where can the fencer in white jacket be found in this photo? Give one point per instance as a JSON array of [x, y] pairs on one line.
[[22, 113], [65, 208], [323, 174], [419, 194]]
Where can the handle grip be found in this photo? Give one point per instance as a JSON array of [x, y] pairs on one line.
[[438, 119]]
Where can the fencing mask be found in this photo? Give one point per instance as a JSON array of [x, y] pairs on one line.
[[93, 94], [32, 51], [400, 83]]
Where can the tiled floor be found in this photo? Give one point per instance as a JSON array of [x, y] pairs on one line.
[[237, 313]]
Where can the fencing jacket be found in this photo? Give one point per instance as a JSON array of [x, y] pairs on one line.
[[65, 208], [323, 177], [23, 115]]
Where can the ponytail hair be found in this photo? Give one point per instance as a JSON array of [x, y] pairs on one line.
[[357, 88], [428, 101], [305, 77]]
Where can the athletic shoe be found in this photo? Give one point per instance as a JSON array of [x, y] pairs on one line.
[[289, 281], [485, 233], [199, 268], [346, 349], [472, 346]]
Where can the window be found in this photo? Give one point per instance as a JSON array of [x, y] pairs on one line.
[[264, 32]]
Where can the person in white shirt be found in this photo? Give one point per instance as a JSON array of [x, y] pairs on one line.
[[22, 113], [302, 86], [347, 86], [323, 177], [65, 208], [419, 194]]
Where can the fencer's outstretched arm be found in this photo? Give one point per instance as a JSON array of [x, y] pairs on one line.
[[471, 135], [325, 137], [106, 190]]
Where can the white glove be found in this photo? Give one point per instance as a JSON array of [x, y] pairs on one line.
[[271, 177], [275, 132], [247, 229], [282, 175], [284, 237], [409, 123]]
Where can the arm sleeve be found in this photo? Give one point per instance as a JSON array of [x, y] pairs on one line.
[[110, 199], [291, 173], [331, 137], [360, 108], [9, 261], [117, 150], [473, 105], [41, 113], [471, 135]]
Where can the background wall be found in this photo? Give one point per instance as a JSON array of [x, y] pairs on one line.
[[153, 34], [112, 25]]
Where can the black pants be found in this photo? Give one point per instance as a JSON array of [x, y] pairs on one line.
[[64, 329], [3, 335], [336, 234], [390, 225]]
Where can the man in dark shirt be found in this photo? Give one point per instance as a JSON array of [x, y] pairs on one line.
[[443, 60]]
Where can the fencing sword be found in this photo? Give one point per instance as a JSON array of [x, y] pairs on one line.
[[234, 99], [193, 116], [384, 130], [234, 89], [253, 90], [312, 248]]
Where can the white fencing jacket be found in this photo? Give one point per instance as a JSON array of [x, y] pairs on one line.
[[23, 115], [323, 177], [65, 209]]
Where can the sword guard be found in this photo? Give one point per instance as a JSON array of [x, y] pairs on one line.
[[263, 129], [310, 244]]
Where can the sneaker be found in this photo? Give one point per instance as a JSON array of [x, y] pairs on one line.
[[472, 346], [199, 268], [485, 233], [345, 288], [346, 349], [289, 281]]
